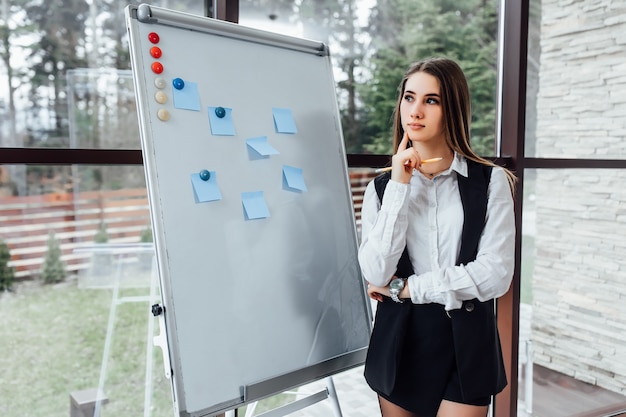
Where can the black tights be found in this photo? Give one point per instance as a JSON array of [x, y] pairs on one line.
[[389, 409], [447, 408]]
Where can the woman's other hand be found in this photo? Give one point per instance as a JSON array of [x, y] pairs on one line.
[[376, 293]]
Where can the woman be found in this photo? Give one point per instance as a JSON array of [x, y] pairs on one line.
[[437, 248]]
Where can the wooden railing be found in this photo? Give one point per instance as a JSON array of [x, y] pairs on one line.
[[76, 218]]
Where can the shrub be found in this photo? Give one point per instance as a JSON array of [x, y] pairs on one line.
[[146, 235], [101, 236], [7, 274], [53, 269]]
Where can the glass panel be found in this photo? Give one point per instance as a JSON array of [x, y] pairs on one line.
[[359, 178], [373, 42], [576, 85], [76, 261], [573, 314], [58, 74], [102, 109]]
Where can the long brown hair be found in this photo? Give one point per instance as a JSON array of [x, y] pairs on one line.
[[456, 106]]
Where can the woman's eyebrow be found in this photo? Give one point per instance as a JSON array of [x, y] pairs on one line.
[[426, 95]]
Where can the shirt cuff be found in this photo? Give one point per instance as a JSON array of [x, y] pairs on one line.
[[420, 287], [423, 290]]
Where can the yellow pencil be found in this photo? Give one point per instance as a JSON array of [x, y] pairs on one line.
[[425, 161]]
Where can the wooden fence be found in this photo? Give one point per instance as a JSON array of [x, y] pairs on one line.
[[76, 218]]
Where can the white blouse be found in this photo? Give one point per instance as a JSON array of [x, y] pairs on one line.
[[426, 215]]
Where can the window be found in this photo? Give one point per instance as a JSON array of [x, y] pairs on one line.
[[572, 274]]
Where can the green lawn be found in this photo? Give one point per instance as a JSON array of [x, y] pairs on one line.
[[52, 339], [52, 344]]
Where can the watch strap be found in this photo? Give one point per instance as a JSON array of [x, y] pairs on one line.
[[395, 298]]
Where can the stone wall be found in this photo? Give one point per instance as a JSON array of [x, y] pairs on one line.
[[579, 279]]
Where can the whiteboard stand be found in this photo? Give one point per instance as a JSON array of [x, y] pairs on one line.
[[292, 407], [120, 251], [332, 392], [297, 405]]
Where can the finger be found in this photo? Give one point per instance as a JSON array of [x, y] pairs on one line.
[[375, 296], [418, 159], [412, 161], [373, 293], [404, 142]]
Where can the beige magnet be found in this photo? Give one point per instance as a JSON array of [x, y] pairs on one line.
[[160, 82], [160, 97], [163, 115]]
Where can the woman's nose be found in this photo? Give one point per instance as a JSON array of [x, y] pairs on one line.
[[416, 111]]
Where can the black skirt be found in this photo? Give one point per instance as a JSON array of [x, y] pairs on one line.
[[411, 358]]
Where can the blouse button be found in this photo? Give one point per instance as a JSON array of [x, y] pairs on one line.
[[469, 307]]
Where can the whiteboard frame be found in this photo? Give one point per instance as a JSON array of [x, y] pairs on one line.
[[147, 14]]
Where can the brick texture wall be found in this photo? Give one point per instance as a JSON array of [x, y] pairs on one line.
[[579, 279]]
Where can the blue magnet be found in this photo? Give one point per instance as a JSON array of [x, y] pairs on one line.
[[178, 83], [205, 175], [220, 112]]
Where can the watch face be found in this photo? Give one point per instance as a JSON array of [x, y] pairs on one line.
[[396, 285]]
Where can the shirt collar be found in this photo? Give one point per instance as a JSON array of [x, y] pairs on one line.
[[459, 164]]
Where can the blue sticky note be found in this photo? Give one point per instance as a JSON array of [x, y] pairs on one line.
[[260, 148], [205, 190], [283, 121], [187, 98], [222, 126], [293, 179], [254, 206]]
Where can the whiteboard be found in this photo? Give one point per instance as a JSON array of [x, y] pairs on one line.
[[251, 208]]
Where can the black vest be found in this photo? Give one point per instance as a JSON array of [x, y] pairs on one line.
[[475, 333]]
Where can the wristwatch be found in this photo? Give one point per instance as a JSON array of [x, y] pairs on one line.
[[395, 287]]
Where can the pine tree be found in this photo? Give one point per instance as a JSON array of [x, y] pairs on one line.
[[7, 274], [53, 269], [102, 235], [405, 31], [146, 235]]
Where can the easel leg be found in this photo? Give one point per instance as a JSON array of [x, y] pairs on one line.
[[147, 400], [332, 393], [109, 335], [302, 403]]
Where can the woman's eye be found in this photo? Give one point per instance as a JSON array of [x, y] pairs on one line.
[[408, 98], [431, 100]]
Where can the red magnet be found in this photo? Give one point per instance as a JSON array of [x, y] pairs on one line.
[[157, 67], [153, 37], [155, 51]]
